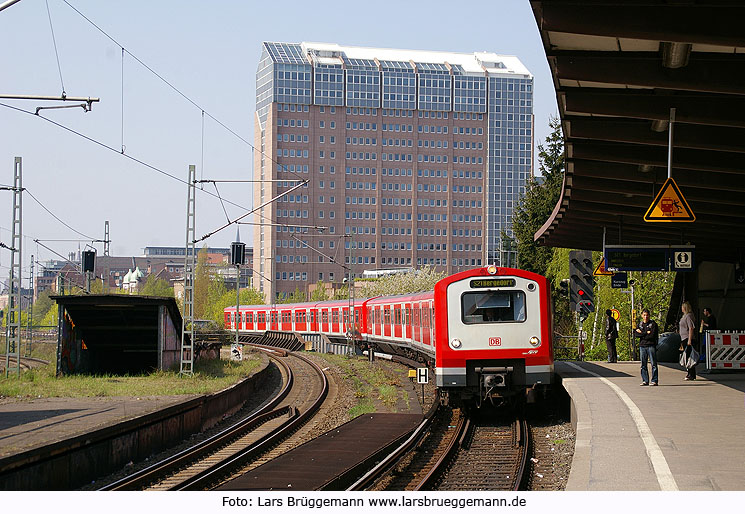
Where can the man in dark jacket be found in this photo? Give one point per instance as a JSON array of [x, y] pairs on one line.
[[647, 333], [611, 334]]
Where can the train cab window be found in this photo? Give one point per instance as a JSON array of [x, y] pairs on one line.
[[493, 307]]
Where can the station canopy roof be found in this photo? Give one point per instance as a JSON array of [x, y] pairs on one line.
[[618, 69]]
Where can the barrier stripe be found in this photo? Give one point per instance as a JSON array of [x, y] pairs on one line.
[[661, 469]]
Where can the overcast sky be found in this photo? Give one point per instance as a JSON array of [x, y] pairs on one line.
[[209, 52]]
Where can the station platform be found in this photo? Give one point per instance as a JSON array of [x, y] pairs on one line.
[[681, 435]]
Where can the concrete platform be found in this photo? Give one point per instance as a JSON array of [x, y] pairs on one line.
[[681, 435]]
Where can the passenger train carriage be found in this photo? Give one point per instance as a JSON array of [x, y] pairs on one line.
[[488, 331]]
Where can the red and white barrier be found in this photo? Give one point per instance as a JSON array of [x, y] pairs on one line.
[[725, 350]]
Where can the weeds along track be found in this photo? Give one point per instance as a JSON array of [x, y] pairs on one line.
[[212, 461]]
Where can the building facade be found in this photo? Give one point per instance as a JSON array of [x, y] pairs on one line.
[[392, 159]]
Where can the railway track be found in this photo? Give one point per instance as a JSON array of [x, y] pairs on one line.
[[493, 456], [457, 453], [217, 458], [26, 362]]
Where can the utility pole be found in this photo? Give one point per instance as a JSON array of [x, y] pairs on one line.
[[187, 325], [237, 258], [30, 309], [106, 240], [13, 339]]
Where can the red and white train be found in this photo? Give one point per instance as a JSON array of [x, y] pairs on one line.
[[487, 330]]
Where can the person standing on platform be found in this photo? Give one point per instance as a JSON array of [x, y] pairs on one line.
[[708, 321], [611, 334], [687, 331], [648, 333]]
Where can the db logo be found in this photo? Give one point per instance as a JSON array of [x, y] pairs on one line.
[[495, 341]]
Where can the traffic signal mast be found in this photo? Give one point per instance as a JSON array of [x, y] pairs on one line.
[[581, 283]]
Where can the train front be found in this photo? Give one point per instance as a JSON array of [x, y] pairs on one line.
[[494, 335]]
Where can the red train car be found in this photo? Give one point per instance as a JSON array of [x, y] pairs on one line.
[[488, 331], [494, 333]]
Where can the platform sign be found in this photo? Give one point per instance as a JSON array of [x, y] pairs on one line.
[[600, 270], [669, 205], [620, 280], [615, 314], [422, 375], [681, 259], [636, 258]]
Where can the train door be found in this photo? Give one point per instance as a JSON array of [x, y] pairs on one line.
[[407, 321], [397, 321], [431, 323]]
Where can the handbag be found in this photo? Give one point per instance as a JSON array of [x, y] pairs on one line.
[[689, 361]]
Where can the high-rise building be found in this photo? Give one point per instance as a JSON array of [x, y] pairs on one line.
[[410, 157]]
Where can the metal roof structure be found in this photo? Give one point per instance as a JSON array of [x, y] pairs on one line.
[[357, 57], [618, 69]]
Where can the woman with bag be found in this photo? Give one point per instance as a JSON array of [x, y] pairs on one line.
[[687, 330]]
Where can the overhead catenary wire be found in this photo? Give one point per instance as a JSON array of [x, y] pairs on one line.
[[56, 53], [111, 148], [177, 90]]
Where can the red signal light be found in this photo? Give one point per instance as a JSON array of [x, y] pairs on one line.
[[581, 292]]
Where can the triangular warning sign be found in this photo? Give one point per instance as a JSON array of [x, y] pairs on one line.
[[669, 205], [600, 270]]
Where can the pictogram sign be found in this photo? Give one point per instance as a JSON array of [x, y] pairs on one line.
[[669, 205], [600, 270], [615, 314]]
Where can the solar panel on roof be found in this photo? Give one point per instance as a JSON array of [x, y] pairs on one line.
[[360, 63], [396, 66], [286, 53], [431, 67]]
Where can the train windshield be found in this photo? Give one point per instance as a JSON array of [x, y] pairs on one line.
[[493, 307]]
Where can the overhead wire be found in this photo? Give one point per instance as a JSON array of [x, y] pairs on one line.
[[56, 53], [177, 90]]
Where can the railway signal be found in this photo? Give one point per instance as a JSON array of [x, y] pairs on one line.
[[581, 283]]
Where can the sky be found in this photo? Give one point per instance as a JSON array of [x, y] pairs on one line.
[[208, 52]]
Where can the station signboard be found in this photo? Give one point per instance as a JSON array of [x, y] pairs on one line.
[[649, 258], [620, 280]]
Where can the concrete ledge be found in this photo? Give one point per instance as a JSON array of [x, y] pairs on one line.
[[71, 463], [579, 475]]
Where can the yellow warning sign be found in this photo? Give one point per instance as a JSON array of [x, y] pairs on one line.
[[600, 270], [615, 314], [669, 205]]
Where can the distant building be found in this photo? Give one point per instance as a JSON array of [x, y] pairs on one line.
[[411, 158]]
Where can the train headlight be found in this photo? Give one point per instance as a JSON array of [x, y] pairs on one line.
[[455, 343], [492, 269], [535, 341]]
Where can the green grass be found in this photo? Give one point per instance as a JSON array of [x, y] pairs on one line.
[[209, 376], [370, 383]]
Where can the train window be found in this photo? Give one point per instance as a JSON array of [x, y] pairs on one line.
[[334, 316], [325, 316], [397, 316], [260, 317], [493, 307], [416, 316], [274, 316], [407, 320], [387, 316], [303, 317], [356, 316]]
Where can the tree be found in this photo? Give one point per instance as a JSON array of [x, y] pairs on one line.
[[248, 296], [423, 279], [156, 287], [319, 293], [297, 296], [202, 279], [538, 202]]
